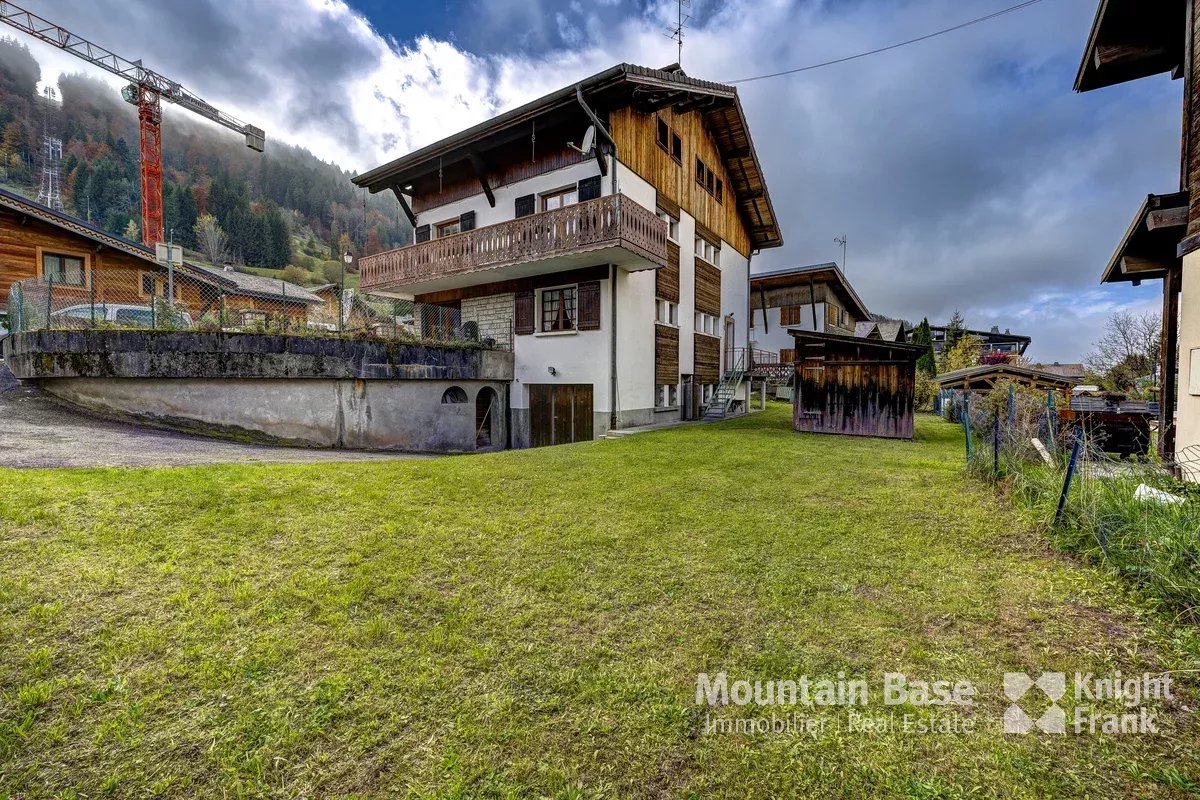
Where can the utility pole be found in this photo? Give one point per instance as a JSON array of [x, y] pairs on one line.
[[842, 241]]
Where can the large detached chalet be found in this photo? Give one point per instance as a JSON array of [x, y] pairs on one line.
[[606, 230]]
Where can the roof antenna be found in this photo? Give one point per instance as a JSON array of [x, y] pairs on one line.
[[842, 241], [676, 31]]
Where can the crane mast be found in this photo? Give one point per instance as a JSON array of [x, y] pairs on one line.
[[146, 90]]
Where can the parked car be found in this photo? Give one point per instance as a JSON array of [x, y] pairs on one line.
[[124, 316]]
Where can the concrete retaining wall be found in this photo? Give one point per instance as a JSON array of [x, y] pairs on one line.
[[297, 390]]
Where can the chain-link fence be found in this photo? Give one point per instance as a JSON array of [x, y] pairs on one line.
[[1096, 483], [225, 300]]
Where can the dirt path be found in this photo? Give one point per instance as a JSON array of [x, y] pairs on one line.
[[38, 431]]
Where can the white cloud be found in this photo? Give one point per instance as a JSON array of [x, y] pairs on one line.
[[963, 169]]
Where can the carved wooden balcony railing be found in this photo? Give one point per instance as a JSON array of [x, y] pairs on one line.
[[609, 221]]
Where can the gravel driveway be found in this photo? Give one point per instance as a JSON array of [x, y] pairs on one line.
[[38, 431]]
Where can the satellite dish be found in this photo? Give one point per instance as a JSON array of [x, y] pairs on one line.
[[589, 141]]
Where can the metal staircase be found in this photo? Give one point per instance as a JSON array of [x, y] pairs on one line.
[[723, 398]]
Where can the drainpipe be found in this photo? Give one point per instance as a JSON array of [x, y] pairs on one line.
[[602, 130], [612, 355]]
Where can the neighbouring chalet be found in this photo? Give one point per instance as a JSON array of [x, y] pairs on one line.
[[605, 229], [816, 298], [1129, 40], [991, 341], [88, 265]]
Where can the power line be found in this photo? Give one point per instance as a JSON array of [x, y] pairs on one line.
[[876, 51]]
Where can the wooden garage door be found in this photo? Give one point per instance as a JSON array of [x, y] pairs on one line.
[[560, 413]]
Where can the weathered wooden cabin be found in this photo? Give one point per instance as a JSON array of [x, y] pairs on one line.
[[854, 386]]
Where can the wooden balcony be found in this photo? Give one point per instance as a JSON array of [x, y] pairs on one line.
[[608, 230]]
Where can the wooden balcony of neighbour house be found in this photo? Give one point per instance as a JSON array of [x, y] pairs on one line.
[[612, 229], [766, 364]]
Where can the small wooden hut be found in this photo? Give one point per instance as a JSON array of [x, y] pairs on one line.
[[853, 385]]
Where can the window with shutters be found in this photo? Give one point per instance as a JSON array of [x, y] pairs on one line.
[[558, 309], [448, 228], [560, 198]]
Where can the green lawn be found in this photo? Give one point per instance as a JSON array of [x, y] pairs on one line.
[[531, 624]]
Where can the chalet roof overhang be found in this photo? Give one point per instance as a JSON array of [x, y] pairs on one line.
[[881, 347], [466, 153], [829, 275], [1150, 246], [985, 376], [1133, 39]]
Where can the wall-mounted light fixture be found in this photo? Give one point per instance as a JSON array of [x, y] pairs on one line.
[[552, 370]]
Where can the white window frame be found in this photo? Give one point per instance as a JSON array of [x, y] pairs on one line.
[[666, 312], [672, 225], [562, 190]]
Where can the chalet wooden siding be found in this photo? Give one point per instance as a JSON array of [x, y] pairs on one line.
[[708, 288], [636, 132], [854, 386], [666, 354], [666, 280], [109, 273], [707, 367]]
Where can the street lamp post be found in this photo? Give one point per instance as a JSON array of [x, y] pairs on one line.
[[347, 260]]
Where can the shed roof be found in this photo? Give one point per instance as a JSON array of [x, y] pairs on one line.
[[979, 376], [916, 350], [615, 87], [1132, 39]]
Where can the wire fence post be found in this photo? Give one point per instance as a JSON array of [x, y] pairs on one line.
[[967, 424], [1072, 465], [1051, 427], [1012, 405], [996, 446], [92, 296], [49, 299]]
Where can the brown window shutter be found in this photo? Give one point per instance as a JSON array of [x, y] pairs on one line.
[[524, 205], [589, 306], [421, 234], [787, 356], [466, 221], [589, 188], [524, 313]]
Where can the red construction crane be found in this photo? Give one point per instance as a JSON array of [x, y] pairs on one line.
[[146, 90]]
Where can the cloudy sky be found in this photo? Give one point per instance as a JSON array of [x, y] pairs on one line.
[[964, 171]]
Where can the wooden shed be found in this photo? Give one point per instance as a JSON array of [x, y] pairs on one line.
[[854, 386]]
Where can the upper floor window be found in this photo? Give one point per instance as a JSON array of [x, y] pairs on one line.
[[448, 228], [560, 198], [707, 178], [708, 251], [834, 316], [669, 141], [672, 225], [558, 309], [706, 323], [667, 312], [64, 269]]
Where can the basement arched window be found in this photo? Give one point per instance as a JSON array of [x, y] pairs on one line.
[[455, 394]]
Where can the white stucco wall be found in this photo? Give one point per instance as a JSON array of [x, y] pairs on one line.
[[1187, 430], [774, 336], [506, 196]]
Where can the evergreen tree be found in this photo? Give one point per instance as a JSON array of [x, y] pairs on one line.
[[923, 336], [954, 329]]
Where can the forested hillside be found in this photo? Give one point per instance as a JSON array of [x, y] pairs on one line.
[[281, 207]]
